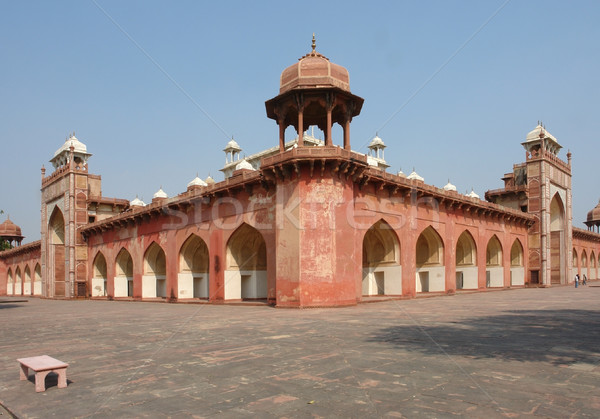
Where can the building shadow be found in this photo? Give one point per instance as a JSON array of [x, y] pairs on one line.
[[554, 336]]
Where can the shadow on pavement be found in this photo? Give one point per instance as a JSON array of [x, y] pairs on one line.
[[557, 337]]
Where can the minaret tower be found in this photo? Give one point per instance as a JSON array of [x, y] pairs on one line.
[[64, 210], [549, 200]]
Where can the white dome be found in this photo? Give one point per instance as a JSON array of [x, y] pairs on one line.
[[78, 146], [401, 173], [232, 144], [415, 175], [534, 134], [376, 142], [244, 164], [450, 187], [209, 180], [160, 194], [473, 194], [197, 182], [137, 203]]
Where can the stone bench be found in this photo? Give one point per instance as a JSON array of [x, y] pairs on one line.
[[42, 366]]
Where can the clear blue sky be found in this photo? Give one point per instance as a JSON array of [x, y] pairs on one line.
[[67, 67]]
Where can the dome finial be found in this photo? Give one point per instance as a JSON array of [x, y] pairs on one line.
[[314, 43]]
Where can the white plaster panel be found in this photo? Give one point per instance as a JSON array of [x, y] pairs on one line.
[[148, 286], [392, 280], [37, 288], [470, 273], [496, 276], [27, 288], [517, 275], [191, 286], [233, 289], [437, 280], [120, 286], [98, 287]]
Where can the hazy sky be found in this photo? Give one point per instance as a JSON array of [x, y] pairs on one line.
[[156, 89]]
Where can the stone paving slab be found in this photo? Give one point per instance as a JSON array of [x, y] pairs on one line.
[[519, 353]]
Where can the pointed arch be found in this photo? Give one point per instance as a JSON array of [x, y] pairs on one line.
[[382, 273], [124, 274], [593, 266], [18, 281], [517, 269], [466, 261], [56, 227], [557, 240], [27, 280], [57, 254], [37, 280], [154, 281], [430, 272], [584, 265], [193, 268], [575, 260], [246, 274], [99, 275], [11, 283], [494, 263]]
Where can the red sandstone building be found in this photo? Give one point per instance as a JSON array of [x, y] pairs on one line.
[[306, 223]]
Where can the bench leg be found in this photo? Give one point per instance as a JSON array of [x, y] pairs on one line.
[[40, 381], [24, 372], [62, 377]]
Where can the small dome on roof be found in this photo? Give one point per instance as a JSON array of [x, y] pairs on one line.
[[449, 187], [209, 180], [197, 182], [534, 134], [376, 142], [594, 214], [160, 194], [232, 145], [401, 173], [78, 146], [314, 70], [473, 194], [415, 175], [10, 229], [244, 164], [137, 202]]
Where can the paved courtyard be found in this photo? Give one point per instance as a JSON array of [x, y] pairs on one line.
[[517, 353]]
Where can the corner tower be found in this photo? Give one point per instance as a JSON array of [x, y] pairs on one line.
[[542, 187], [64, 209]]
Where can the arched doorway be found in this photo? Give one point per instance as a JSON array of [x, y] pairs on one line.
[[18, 281], [246, 274], [517, 270], [56, 250], [430, 273], [557, 240], [11, 283], [154, 280], [494, 272], [382, 273], [37, 282], [124, 274], [27, 281], [99, 276], [584, 265], [466, 262], [593, 266], [193, 269], [575, 264]]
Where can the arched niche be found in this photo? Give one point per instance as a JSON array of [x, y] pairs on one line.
[[382, 273]]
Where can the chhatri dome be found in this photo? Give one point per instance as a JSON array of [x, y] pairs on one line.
[[314, 70], [61, 156], [10, 231], [593, 218]]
